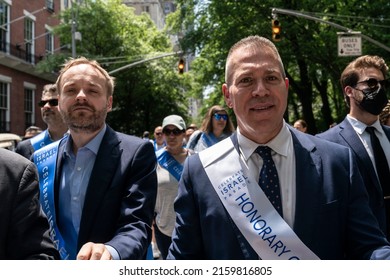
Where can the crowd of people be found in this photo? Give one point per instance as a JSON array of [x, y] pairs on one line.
[[262, 190]]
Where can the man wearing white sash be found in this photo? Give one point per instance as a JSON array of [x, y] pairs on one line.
[[223, 213], [56, 128]]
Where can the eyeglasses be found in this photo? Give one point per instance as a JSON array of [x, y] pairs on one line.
[[218, 117], [373, 83], [158, 133], [52, 102], [175, 131]]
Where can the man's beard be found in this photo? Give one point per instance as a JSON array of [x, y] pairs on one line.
[[81, 122]]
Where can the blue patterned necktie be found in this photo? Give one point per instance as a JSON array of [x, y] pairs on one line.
[[269, 180]]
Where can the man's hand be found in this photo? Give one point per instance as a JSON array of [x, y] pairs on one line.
[[94, 251]]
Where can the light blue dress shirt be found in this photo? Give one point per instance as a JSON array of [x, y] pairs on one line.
[[74, 180]]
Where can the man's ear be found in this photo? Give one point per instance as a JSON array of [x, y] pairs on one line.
[[109, 104], [226, 95], [348, 91]]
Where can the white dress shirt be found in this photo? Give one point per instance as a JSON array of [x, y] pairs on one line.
[[284, 157], [364, 136]]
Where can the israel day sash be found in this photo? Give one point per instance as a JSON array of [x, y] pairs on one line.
[[41, 140], [169, 163], [262, 226], [209, 139], [46, 161]]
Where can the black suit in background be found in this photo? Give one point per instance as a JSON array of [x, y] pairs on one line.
[[24, 230], [25, 148]]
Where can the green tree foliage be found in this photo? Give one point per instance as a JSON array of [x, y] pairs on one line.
[[114, 36], [308, 48]]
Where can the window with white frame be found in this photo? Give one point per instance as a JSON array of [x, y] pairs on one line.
[[50, 5], [49, 41], [4, 107], [4, 25], [29, 39], [29, 107]]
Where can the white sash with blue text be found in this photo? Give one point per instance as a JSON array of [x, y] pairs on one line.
[[262, 226]]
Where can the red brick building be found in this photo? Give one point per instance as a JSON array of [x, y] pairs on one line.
[[25, 39]]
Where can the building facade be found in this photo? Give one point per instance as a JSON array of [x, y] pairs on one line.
[[157, 9], [25, 39]]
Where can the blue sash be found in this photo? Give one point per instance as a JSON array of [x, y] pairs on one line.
[[209, 139], [46, 161], [41, 140], [169, 163]]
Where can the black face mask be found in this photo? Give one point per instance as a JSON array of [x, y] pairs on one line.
[[374, 100]]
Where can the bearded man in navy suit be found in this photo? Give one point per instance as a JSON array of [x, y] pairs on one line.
[[98, 186], [222, 213]]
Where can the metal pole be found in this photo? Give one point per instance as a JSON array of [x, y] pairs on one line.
[[73, 27], [297, 14], [73, 37]]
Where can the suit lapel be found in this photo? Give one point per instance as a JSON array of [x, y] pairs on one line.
[[350, 136], [101, 178], [308, 181]]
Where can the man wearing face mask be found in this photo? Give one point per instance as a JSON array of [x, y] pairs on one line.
[[364, 83]]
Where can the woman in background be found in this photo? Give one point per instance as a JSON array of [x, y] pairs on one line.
[[215, 127]]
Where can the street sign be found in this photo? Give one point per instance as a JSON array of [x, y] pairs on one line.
[[349, 44]]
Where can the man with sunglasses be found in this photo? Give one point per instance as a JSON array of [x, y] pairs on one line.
[[364, 83], [159, 140], [216, 126], [56, 128]]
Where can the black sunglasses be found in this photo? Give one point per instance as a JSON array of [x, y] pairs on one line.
[[218, 117], [373, 83], [175, 131], [52, 102], [158, 133]]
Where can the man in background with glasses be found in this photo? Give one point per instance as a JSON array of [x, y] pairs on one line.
[[159, 140], [365, 85], [56, 128]]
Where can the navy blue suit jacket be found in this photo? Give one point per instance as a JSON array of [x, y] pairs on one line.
[[332, 214], [121, 195], [345, 135]]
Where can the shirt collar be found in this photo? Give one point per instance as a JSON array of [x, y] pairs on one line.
[[280, 144], [92, 145], [361, 127]]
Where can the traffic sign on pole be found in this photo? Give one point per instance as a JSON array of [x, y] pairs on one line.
[[349, 44]]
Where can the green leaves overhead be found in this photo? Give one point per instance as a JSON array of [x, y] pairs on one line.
[[114, 36], [308, 48]]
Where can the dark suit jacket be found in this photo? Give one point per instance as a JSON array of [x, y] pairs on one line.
[[345, 135], [25, 148], [332, 214], [24, 230], [121, 195]]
